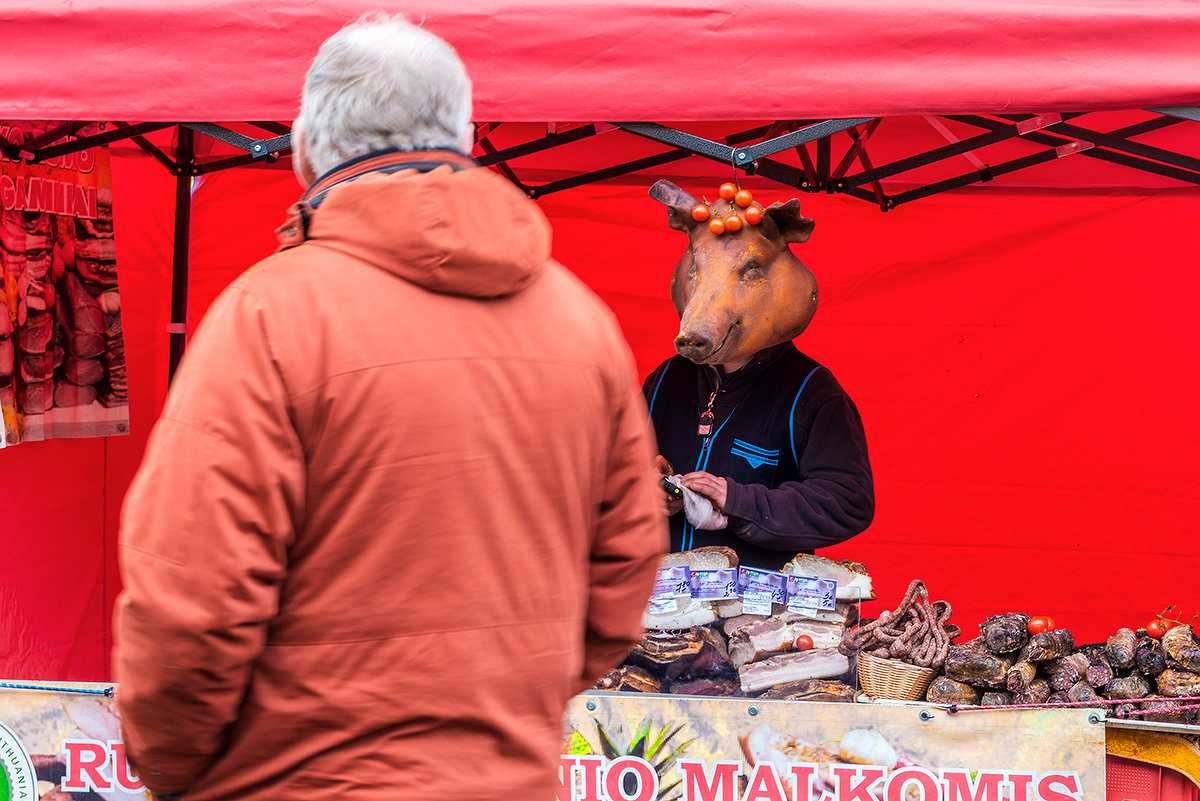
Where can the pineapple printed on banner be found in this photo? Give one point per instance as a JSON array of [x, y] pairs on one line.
[[62, 349]]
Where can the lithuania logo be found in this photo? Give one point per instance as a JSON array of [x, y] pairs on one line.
[[18, 781]]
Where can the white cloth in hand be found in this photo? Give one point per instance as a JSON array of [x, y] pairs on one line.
[[698, 509]]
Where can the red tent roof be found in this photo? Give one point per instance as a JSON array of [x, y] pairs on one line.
[[660, 60]]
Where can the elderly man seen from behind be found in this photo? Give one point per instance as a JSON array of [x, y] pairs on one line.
[[399, 507]]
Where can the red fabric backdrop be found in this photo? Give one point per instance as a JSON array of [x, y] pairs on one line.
[[1023, 360]]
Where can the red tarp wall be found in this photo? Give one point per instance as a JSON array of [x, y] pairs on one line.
[[1022, 360], [1022, 356]]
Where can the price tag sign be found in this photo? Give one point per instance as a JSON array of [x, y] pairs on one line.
[[669, 584], [808, 593], [760, 589], [715, 585]]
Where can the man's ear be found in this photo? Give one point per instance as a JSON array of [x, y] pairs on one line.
[[679, 204], [301, 166], [793, 227]]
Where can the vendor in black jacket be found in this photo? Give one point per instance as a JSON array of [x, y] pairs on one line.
[[752, 423]]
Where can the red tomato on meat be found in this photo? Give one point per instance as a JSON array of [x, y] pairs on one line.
[[733, 223], [1040, 623], [754, 215], [700, 212], [743, 198], [804, 643], [1156, 629], [727, 191]]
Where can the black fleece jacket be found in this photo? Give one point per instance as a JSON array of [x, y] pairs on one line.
[[787, 439]]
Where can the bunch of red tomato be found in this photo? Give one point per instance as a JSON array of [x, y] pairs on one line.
[[731, 222], [1160, 625]]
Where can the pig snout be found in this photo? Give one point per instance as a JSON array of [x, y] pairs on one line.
[[694, 345], [700, 343]]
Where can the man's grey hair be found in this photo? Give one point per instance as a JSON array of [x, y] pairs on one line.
[[383, 82]]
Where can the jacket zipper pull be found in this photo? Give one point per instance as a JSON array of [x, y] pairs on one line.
[[706, 416]]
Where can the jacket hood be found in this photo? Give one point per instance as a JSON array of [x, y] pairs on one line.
[[457, 229]]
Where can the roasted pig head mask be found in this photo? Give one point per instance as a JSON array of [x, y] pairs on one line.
[[742, 289]]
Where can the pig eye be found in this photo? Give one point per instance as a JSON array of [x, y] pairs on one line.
[[752, 271]]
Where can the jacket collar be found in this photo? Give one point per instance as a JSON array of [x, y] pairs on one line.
[[295, 228], [715, 377]]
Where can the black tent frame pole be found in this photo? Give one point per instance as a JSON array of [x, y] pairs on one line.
[[185, 163]]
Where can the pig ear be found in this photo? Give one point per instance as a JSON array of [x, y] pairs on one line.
[[679, 204], [792, 226]]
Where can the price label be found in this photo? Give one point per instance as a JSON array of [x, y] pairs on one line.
[[715, 585], [808, 593], [669, 584], [760, 589]]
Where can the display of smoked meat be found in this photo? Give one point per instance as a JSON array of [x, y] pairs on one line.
[[1149, 657], [630, 679], [1099, 671], [1003, 634], [812, 690], [1168, 711], [1047, 645], [974, 664], [1128, 687], [724, 686], [1066, 671], [1019, 676], [1176, 683], [1180, 645], [1082, 692], [1036, 692], [796, 666], [1120, 648], [944, 690], [761, 639], [695, 653]]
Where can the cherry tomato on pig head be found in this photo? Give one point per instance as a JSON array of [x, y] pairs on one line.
[[727, 191], [804, 643], [754, 215], [700, 212]]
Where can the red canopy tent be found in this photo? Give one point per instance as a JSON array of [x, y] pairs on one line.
[[1015, 329]]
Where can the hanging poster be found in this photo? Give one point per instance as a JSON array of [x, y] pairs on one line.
[[62, 350]]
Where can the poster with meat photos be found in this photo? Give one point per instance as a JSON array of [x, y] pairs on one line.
[[62, 351], [626, 747]]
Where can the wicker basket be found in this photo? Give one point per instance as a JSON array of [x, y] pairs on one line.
[[887, 678]]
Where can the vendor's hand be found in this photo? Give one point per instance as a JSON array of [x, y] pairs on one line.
[[672, 505], [712, 487]]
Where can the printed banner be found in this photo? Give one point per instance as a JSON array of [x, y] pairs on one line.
[[63, 745], [624, 747], [62, 351]]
